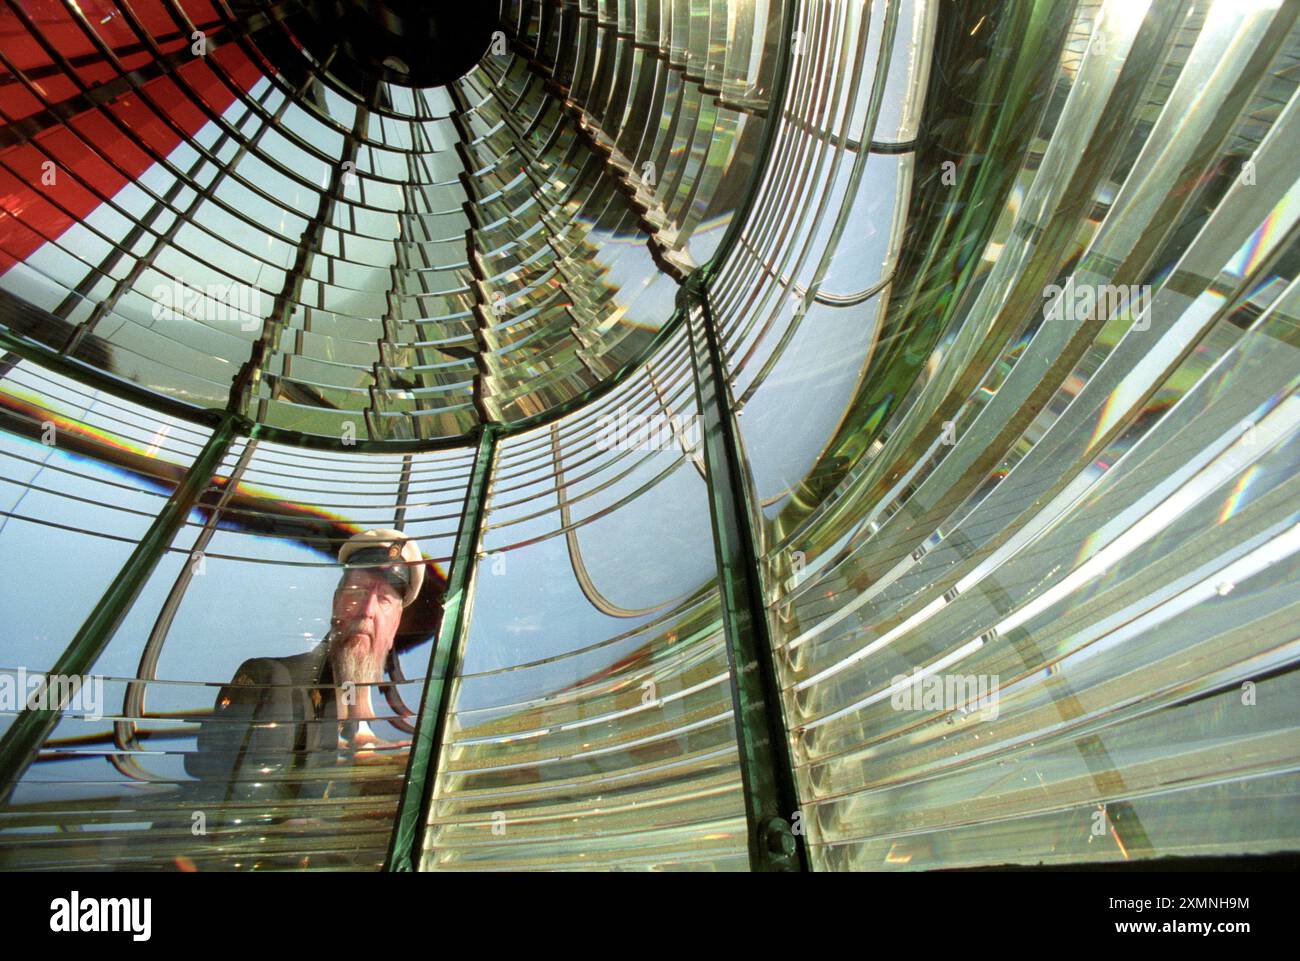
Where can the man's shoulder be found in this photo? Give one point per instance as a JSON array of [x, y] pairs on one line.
[[293, 669]]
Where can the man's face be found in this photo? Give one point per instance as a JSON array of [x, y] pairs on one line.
[[367, 610]]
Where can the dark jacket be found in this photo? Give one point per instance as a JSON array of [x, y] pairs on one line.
[[273, 733]]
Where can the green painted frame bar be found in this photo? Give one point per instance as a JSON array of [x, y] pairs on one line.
[[766, 764], [435, 704], [23, 740]]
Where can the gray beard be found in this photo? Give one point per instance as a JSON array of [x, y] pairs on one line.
[[355, 663]]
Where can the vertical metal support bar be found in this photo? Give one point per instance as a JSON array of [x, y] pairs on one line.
[[780, 86], [421, 770], [30, 729], [403, 493], [766, 765]]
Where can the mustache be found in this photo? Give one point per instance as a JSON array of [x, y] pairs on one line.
[[345, 626]]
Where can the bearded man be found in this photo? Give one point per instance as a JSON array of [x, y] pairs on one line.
[[283, 722]]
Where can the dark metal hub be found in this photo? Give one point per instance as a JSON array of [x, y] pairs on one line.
[[417, 43]]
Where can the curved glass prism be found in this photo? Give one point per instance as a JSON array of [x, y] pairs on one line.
[[832, 436]]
